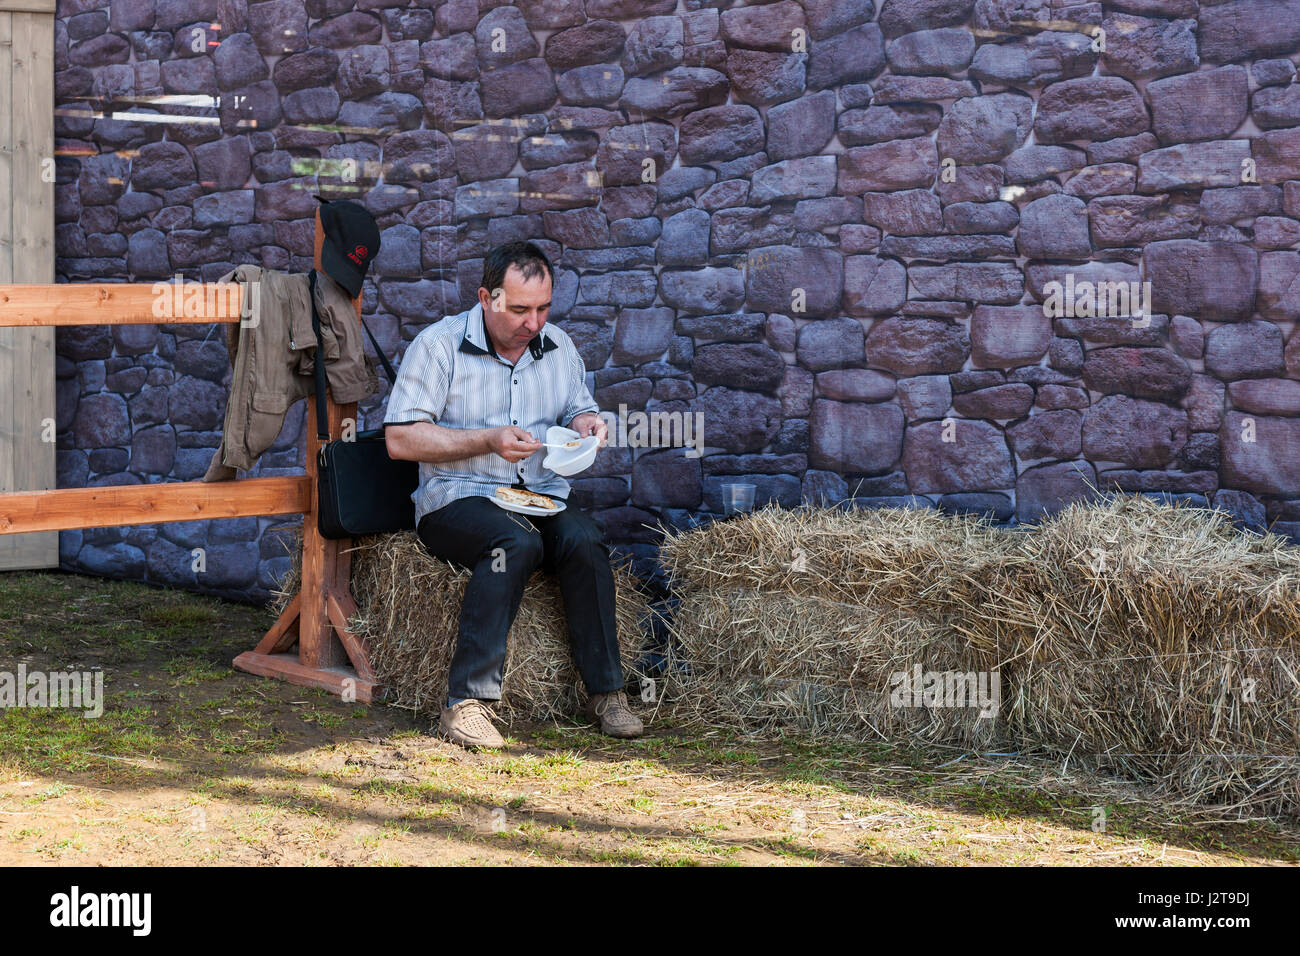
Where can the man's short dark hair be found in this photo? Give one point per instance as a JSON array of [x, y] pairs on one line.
[[526, 256]]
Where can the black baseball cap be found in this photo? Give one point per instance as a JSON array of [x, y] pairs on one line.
[[351, 242]]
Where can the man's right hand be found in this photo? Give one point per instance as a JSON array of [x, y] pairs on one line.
[[511, 443]]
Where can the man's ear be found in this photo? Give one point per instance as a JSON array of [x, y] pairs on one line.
[[493, 301]]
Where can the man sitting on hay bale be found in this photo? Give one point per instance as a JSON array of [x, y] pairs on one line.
[[476, 393]]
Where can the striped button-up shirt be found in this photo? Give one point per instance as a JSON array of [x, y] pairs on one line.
[[452, 375]]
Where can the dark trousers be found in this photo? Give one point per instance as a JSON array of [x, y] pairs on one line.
[[502, 549]]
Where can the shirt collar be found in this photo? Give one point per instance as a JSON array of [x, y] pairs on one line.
[[476, 341]]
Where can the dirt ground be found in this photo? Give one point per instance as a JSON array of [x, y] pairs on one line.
[[193, 762]]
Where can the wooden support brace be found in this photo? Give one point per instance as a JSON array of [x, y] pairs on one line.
[[328, 654]]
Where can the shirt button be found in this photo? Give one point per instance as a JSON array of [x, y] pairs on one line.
[[515, 422]]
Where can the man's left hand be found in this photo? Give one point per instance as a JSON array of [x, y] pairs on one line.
[[589, 423]]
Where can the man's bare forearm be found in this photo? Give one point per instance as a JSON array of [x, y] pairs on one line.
[[425, 441]]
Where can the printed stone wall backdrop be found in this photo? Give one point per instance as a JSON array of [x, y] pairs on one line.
[[969, 254]]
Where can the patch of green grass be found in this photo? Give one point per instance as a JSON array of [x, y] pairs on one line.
[[56, 740], [49, 793], [179, 617], [747, 757], [560, 763], [186, 671], [329, 719]]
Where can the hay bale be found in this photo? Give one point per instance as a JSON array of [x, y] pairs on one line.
[[1149, 639], [288, 585], [408, 605], [1163, 643], [769, 662], [907, 560], [802, 618]]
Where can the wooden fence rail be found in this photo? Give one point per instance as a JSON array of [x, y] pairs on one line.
[[328, 654]]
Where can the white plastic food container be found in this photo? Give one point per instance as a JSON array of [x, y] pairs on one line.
[[569, 461]]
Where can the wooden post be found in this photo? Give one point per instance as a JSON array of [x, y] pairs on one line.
[[317, 617], [27, 454]]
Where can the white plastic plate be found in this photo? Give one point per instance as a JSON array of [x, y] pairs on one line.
[[530, 509]]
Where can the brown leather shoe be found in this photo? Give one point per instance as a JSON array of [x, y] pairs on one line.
[[469, 724], [614, 715]]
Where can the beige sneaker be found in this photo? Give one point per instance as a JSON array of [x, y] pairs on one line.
[[469, 724], [614, 715]]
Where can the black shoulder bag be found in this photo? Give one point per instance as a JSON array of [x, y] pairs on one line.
[[360, 490]]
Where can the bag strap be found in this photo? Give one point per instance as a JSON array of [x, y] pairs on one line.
[[322, 412], [388, 367], [322, 420]]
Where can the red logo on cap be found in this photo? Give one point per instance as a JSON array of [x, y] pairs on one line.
[[358, 255]]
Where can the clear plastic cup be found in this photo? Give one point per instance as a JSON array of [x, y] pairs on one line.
[[737, 498]]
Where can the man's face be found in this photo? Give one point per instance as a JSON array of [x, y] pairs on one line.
[[515, 313]]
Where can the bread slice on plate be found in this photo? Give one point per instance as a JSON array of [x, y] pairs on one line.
[[524, 498]]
